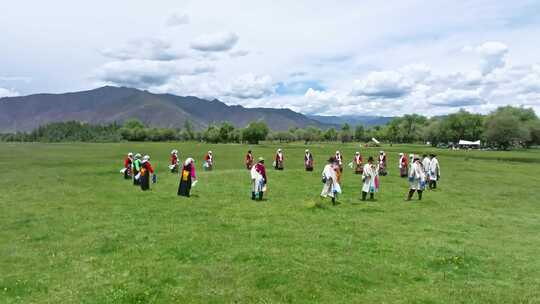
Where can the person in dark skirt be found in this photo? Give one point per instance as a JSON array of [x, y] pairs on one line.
[[308, 161], [128, 162], [358, 163], [146, 171], [136, 169], [187, 177]]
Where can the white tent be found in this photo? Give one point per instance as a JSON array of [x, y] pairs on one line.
[[469, 143]]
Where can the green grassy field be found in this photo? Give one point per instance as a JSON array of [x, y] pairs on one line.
[[73, 231]]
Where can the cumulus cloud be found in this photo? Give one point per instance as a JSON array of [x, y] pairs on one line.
[[298, 87], [417, 72], [457, 98], [144, 49], [492, 54], [385, 84], [531, 82], [16, 79], [148, 73], [177, 20], [250, 86], [218, 42], [239, 53], [8, 93]]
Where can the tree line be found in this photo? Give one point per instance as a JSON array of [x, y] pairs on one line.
[[504, 128]]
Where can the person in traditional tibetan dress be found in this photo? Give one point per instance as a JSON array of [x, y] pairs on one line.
[[187, 177]]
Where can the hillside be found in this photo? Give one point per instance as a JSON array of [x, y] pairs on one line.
[[110, 104]]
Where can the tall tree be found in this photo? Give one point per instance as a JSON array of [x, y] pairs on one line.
[[255, 132], [359, 133]]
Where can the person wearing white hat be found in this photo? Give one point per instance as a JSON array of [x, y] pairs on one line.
[[417, 178], [382, 163], [279, 159], [258, 180], [136, 168], [403, 165], [330, 180], [146, 171], [308, 160], [208, 161], [358, 163], [434, 171], [425, 164], [187, 178], [370, 179], [127, 166], [174, 161]]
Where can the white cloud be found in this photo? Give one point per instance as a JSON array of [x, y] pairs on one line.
[[239, 53], [177, 20], [531, 82], [250, 86], [218, 42], [148, 73], [145, 49], [385, 84], [492, 54], [8, 93], [457, 98], [320, 44], [15, 79]]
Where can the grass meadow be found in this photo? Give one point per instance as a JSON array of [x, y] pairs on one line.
[[73, 231]]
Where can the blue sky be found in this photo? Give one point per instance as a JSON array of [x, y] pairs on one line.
[[316, 57]]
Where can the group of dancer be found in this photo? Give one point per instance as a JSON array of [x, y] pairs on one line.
[[419, 171], [139, 169]]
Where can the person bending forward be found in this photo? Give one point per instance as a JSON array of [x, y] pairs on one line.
[[258, 180]]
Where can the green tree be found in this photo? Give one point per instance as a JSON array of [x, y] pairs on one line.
[[255, 132], [188, 132], [133, 124], [225, 132], [330, 134], [212, 134], [312, 134], [504, 130], [345, 135], [359, 133]]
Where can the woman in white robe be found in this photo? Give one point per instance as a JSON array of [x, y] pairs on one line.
[[258, 180], [370, 179], [417, 179], [434, 171], [425, 164], [331, 186]]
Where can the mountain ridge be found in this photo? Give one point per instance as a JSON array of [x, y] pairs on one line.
[[117, 104]]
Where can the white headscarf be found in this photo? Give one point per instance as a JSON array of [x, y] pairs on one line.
[[188, 161]]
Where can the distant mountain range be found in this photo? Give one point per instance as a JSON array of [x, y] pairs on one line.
[[118, 104], [353, 120]]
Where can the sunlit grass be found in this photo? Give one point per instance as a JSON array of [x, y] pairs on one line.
[[73, 231]]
